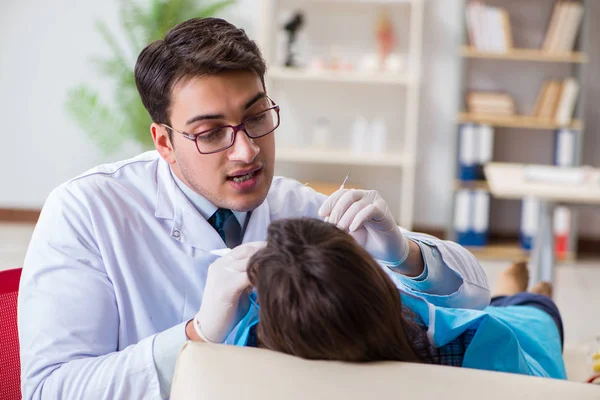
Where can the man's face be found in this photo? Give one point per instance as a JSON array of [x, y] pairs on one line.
[[239, 177]]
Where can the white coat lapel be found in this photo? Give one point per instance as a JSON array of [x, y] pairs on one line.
[[188, 225], [260, 218], [196, 231], [165, 192]]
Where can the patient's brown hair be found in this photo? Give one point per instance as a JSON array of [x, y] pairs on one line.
[[322, 296]]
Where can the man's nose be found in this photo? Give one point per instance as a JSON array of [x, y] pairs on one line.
[[244, 149]]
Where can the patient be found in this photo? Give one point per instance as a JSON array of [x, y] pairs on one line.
[[322, 296]]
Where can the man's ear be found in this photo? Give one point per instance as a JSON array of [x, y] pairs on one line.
[[160, 136]]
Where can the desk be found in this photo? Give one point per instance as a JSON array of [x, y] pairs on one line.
[[508, 181]]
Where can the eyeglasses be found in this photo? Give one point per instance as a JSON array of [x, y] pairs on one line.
[[222, 138]]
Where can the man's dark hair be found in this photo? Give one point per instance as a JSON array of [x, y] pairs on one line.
[[322, 296], [196, 47]]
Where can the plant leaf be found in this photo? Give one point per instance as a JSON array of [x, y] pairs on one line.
[[135, 23], [110, 40], [101, 123], [126, 118], [213, 9], [113, 68]]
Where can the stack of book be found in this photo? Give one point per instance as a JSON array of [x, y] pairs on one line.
[[556, 100], [490, 103], [488, 28], [563, 27]]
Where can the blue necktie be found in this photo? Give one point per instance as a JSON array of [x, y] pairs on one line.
[[220, 221]]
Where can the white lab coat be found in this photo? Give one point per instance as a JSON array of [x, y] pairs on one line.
[[119, 254]]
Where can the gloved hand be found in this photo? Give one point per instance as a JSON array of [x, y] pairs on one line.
[[225, 301], [367, 217]]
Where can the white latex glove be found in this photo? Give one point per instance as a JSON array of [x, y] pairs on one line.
[[367, 217], [225, 301]]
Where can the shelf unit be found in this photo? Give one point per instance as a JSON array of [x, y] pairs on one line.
[[519, 56], [525, 55], [405, 85], [343, 157], [516, 121], [285, 73]]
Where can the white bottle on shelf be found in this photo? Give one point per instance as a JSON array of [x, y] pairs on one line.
[[378, 135], [529, 221], [321, 134], [360, 130], [396, 63]]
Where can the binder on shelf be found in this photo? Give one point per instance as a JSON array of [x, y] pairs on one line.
[[565, 147], [471, 217], [530, 209], [467, 153], [562, 230], [461, 216], [476, 144], [481, 217], [485, 146]]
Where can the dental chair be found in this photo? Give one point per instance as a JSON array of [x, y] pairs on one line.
[[218, 372]]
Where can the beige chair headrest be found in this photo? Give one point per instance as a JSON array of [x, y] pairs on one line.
[[219, 372]]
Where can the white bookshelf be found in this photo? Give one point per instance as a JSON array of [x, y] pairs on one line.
[[366, 2], [284, 73], [479, 70], [405, 86], [344, 157]]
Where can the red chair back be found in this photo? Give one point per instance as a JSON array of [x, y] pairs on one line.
[[10, 365]]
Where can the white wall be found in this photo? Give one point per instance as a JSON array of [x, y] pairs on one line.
[[439, 104], [45, 49]]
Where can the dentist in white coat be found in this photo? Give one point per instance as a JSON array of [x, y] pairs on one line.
[[119, 272]]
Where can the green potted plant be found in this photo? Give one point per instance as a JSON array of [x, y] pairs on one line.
[[125, 119]]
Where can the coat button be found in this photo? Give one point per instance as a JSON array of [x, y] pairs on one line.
[[176, 234]]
